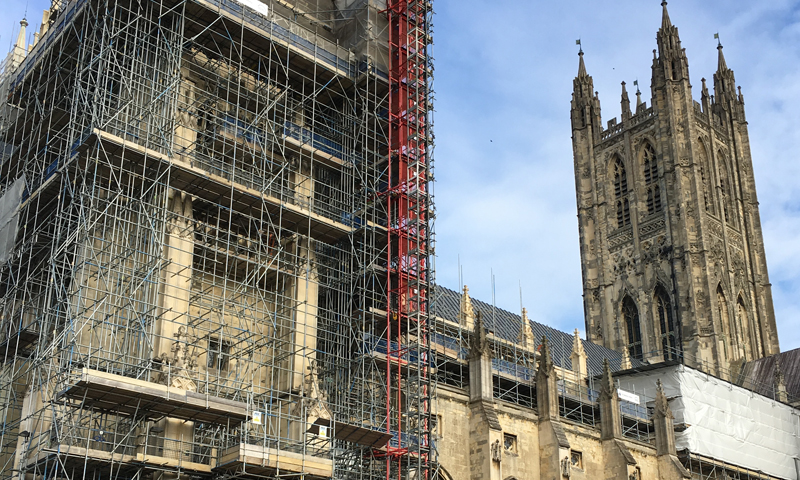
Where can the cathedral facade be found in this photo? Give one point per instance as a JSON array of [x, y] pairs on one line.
[[681, 337], [672, 252]]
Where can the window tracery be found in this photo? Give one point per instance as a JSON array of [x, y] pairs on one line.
[[621, 194], [670, 336], [631, 315], [652, 188]]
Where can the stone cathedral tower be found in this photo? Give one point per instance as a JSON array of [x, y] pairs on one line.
[[671, 246]]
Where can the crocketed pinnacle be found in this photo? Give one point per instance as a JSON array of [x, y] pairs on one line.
[[607, 389], [21, 36], [662, 409], [581, 65], [546, 358], [722, 66], [665, 21]]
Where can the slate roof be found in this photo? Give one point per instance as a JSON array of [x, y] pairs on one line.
[[759, 375], [504, 324]]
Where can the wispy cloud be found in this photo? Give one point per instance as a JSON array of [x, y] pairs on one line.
[[505, 191]]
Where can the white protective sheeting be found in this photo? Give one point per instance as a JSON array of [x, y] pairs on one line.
[[9, 218], [726, 422], [256, 5]]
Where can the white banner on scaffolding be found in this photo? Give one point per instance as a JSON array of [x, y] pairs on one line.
[[628, 396]]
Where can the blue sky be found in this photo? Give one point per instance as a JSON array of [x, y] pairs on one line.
[[505, 190]]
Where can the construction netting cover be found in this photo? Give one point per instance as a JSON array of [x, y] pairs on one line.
[[726, 422]]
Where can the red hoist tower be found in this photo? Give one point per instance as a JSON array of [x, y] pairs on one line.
[[409, 203]]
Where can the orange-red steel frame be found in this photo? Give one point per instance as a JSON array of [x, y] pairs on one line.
[[408, 211]]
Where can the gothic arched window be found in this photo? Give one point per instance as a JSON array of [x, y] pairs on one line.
[[621, 194], [650, 162], [726, 188], [634, 338], [743, 324], [705, 179], [670, 337], [725, 321]]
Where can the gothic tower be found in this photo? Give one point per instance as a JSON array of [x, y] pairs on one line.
[[672, 252]]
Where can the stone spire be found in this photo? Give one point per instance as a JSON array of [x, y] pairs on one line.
[[585, 104], [526, 337], [705, 98], [672, 61], [546, 358], [466, 315], [722, 65], [662, 409], [625, 103], [665, 21], [21, 37], [610, 416], [20, 50], [546, 383], [724, 83], [577, 344], [480, 342], [663, 423], [480, 363], [607, 381], [578, 357]]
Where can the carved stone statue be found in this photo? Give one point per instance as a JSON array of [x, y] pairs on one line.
[[497, 451], [566, 466]]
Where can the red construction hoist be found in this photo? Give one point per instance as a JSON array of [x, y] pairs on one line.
[[408, 203]]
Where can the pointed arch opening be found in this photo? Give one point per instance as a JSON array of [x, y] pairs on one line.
[[650, 162], [726, 189], [743, 324], [705, 179], [728, 334], [630, 314], [653, 189], [668, 326], [621, 193]]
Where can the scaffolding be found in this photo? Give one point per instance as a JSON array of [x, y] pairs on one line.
[[220, 266]]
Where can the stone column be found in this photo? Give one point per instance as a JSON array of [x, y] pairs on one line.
[[301, 377], [485, 432], [669, 467], [610, 416], [553, 444], [176, 276], [306, 301], [186, 118], [169, 345], [303, 185], [618, 461]]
